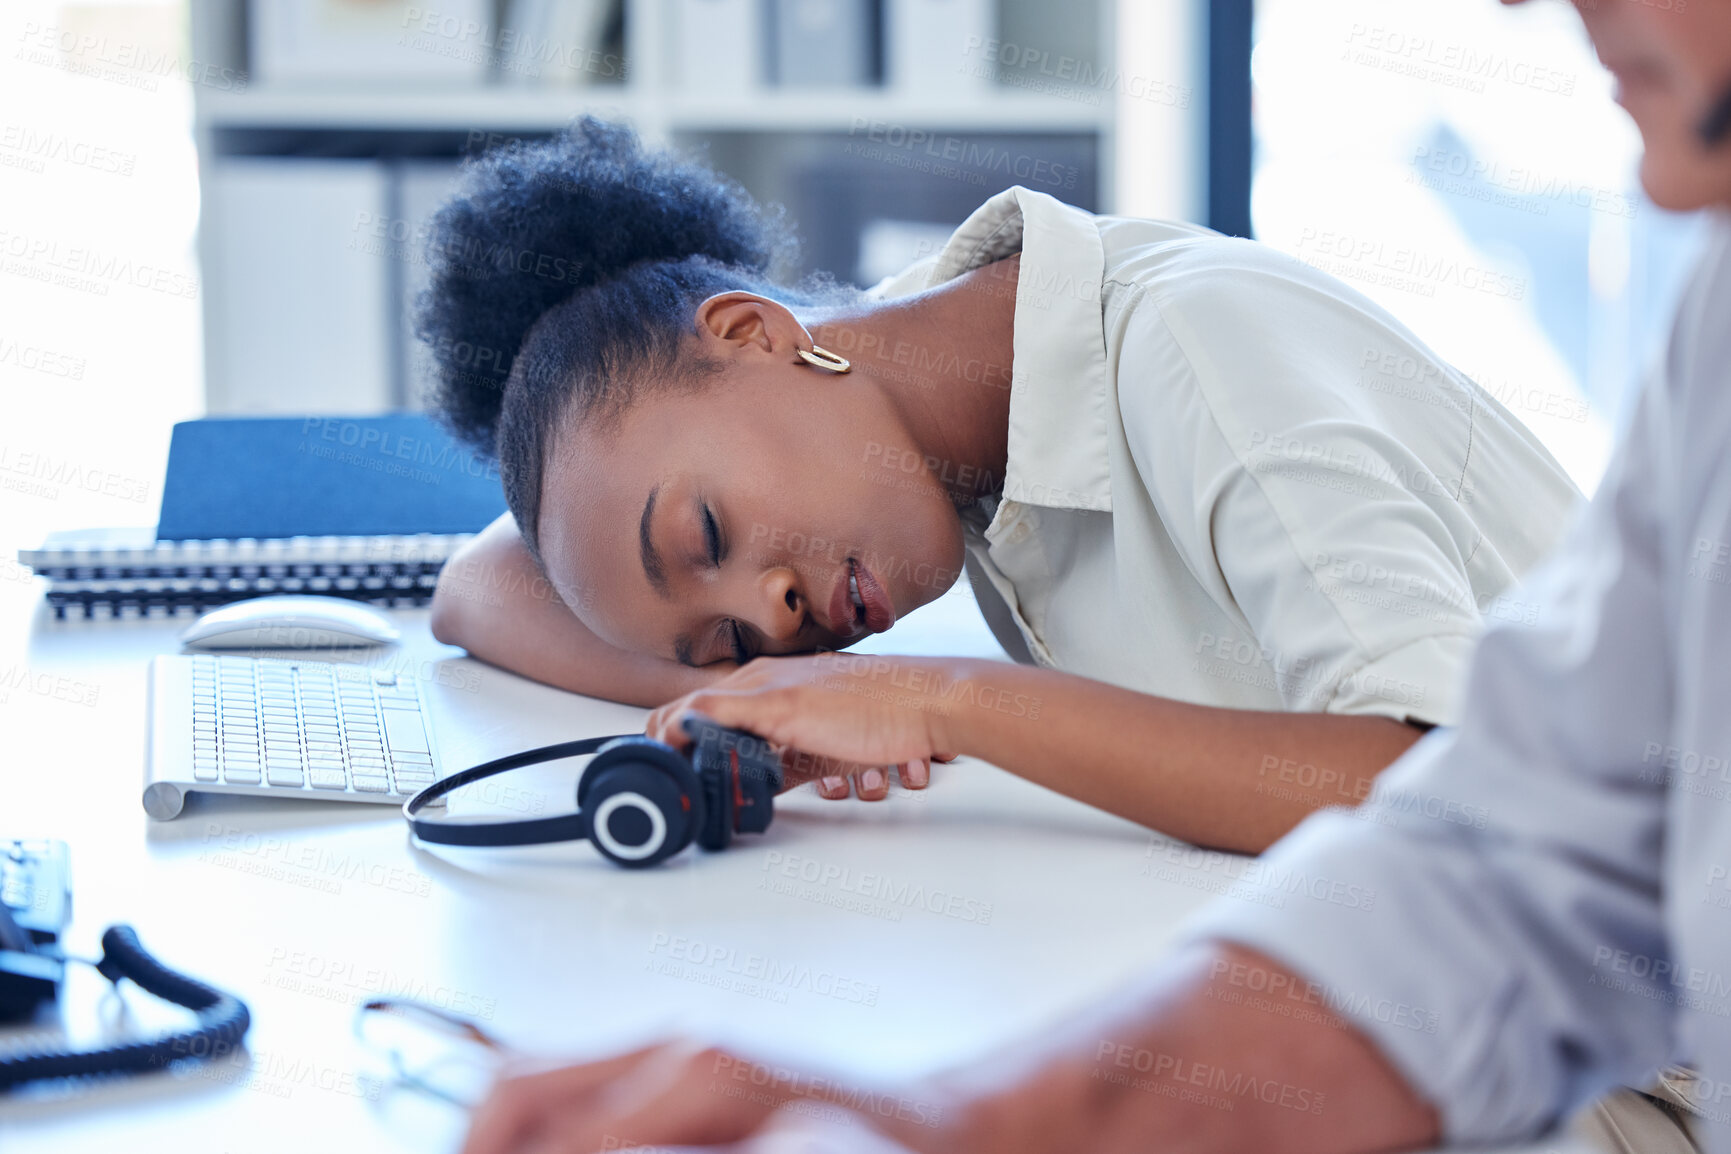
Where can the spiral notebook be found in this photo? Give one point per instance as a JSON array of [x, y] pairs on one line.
[[363, 507]]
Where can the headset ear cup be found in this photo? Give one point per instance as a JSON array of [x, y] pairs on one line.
[[637, 814], [657, 774]]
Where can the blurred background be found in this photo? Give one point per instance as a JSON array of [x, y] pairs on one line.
[[216, 206]]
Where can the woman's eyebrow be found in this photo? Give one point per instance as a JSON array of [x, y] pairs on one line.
[[652, 566]]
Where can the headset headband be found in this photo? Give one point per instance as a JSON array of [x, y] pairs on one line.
[[563, 827]]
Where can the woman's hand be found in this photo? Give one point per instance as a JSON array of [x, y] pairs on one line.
[[677, 1094], [835, 715]]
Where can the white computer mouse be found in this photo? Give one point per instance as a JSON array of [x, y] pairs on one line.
[[289, 622]]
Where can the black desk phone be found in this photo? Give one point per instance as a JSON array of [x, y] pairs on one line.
[[35, 905]]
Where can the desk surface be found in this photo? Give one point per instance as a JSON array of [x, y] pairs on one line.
[[873, 938]]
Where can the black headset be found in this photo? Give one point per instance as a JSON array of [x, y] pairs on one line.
[[639, 800]]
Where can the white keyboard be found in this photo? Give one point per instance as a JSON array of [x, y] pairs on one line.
[[277, 727]]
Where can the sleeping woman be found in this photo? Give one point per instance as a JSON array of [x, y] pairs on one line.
[[1238, 527]]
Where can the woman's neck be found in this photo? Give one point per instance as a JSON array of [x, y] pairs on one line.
[[943, 359]]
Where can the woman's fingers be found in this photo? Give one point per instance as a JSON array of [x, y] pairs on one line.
[[518, 1107], [872, 784], [673, 1094]]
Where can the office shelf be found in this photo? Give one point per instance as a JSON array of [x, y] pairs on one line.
[[768, 110]]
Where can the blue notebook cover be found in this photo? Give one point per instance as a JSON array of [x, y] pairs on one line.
[[392, 474]]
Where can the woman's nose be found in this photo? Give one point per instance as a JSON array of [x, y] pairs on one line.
[[784, 606]]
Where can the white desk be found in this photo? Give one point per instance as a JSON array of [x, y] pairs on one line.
[[301, 908]]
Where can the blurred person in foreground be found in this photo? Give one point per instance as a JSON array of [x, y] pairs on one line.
[[1512, 969]]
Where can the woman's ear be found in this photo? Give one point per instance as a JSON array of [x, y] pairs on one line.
[[745, 319]]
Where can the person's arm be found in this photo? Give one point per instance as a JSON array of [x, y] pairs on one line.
[[1509, 949], [1230, 778], [493, 601], [1176, 1062]]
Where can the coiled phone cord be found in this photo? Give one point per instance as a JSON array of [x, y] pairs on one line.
[[222, 1022]]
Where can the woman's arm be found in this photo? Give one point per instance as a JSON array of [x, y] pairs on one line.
[[1230, 778], [493, 601], [1234, 779]]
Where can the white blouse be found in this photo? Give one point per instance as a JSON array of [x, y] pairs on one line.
[[1234, 480]]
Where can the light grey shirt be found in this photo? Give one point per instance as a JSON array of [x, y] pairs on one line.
[[1536, 905]]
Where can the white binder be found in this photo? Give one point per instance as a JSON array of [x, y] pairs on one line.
[[939, 47]]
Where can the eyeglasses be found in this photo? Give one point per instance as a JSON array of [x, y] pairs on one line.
[[431, 1051]]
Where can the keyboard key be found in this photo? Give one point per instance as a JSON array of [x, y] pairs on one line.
[[405, 731], [328, 778], [285, 775], [366, 783], [203, 770], [240, 775]]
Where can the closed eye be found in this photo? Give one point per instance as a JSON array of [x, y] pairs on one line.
[[711, 536], [739, 651]]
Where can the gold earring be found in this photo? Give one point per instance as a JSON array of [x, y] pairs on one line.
[[824, 359]]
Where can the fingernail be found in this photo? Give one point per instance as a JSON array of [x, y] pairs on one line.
[[833, 785], [919, 774], [872, 779]]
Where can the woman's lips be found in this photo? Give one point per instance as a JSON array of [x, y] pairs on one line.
[[880, 612]]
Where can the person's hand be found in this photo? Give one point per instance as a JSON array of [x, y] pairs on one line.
[[835, 716], [675, 1094]]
